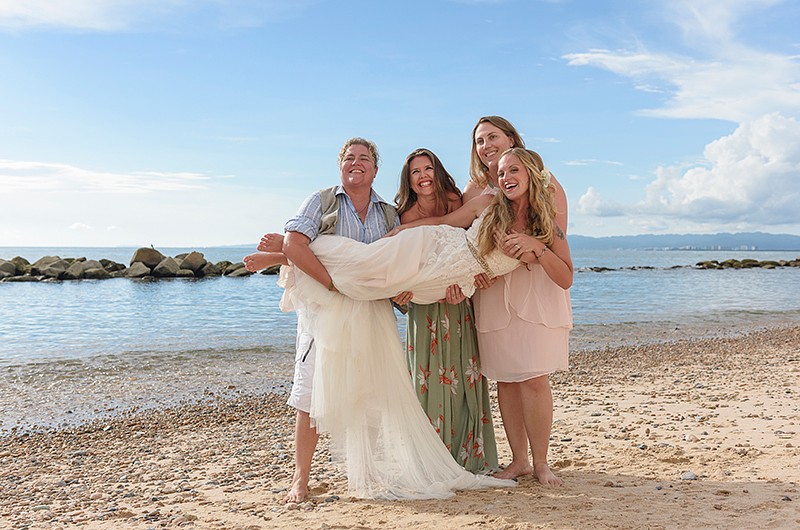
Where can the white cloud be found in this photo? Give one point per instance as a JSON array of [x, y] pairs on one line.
[[591, 203], [121, 15], [748, 178], [746, 85], [712, 20], [55, 204], [592, 161], [102, 15], [20, 175], [724, 79], [649, 88]]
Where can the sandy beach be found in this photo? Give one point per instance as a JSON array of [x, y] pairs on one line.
[[682, 434]]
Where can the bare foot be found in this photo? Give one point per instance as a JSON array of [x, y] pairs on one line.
[[299, 490], [515, 470], [271, 243], [261, 260], [545, 476], [255, 261]]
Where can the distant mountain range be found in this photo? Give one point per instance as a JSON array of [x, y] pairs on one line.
[[722, 241]]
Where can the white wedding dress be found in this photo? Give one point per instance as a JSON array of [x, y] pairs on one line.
[[425, 260], [362, 394]]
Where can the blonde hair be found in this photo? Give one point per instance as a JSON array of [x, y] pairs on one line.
[[357, 140], [499, 216], [443, 183], [478, 171]]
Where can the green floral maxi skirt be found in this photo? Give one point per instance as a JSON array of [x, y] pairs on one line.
[[445, 370]]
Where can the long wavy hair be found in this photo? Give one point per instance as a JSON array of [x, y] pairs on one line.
[[499, 217], [443, 183], [478, 171]]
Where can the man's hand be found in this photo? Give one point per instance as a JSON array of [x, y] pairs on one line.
[[403, 298]]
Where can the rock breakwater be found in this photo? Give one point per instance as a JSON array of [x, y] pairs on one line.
[[710, 264], [747, 264], [146, 263]]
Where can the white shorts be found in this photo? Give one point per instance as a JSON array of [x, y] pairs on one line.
[[304, 360]]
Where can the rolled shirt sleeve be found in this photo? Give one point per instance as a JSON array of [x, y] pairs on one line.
[[308, 218]]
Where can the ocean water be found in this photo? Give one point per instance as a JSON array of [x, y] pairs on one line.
[[71, 351]]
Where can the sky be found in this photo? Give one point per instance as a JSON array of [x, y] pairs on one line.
[[207, 122]]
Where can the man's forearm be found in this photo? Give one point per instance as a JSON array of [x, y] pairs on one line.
[[297, 250]]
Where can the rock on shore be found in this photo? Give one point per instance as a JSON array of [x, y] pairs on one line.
[[146, 263], [747, 264]]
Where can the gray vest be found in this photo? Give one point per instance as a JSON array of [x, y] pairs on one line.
[[330, 212]]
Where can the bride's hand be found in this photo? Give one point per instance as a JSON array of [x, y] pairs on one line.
[[515, 244]]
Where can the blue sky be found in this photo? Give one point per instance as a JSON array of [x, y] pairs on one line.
[[206, 122]]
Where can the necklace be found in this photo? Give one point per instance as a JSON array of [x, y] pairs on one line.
[[363, 210]]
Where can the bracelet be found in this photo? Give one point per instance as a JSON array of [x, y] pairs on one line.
[[332, 287], [541, 254]]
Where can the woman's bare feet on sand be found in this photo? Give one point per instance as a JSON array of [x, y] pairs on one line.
[[298, 492], [515, 470], [545, 476]]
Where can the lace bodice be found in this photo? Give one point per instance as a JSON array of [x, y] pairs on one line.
[[456, 260], [495, 261]]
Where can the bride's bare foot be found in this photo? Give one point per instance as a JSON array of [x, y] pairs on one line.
[[299, 490], [271, 243], [514, 470], [545, 476]]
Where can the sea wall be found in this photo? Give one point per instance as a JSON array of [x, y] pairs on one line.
[[150, 264], [145, 264], [710, 264], [747, 264]]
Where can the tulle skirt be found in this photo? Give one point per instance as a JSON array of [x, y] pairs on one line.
[[363, 397]]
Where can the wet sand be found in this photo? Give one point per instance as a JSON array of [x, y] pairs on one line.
[[698, 433]]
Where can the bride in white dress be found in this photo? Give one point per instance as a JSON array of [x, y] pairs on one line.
[[361, 392], [424, 260]]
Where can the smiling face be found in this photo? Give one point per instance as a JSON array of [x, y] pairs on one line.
[[421, 173], [490, 143], [357, 168], [513, 178]]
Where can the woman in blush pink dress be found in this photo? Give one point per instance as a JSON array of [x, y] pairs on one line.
[[522, 322]]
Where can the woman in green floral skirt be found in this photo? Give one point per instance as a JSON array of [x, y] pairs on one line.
[[442, 342]]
